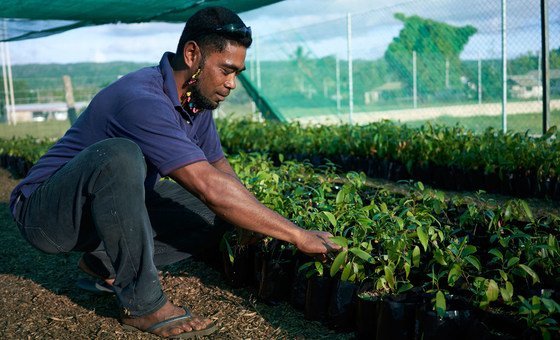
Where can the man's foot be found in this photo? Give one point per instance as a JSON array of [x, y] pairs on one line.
[[171, 321], [84, 267]]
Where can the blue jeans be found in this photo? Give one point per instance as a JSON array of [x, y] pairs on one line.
[[97, 204]]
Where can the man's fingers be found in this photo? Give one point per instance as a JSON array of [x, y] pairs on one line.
[[321, 257]]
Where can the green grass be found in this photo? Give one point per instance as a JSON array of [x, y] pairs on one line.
[[517, 123], [48, 129]]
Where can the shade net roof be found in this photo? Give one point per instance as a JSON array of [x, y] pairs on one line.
[[38, 18]]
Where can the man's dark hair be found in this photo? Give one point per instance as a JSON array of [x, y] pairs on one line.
[[212, 27]]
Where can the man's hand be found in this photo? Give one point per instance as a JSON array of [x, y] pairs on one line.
[[316, 243], [218, 188]]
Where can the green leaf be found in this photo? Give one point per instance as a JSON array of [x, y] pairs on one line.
[[362, 254], [420, 186], [507, 292], [416, 256], [503, 275], [389, 277], [551, 305], [319, 268], [330, 217], [404, 288], [438, 255], [492, 291], [496, 253], [440, 304], [512, 262], [423, 237], [470, 249], [229, 251], [340, 240], [384, 208], [527, 210], [407, 269], [338, 262], [473, 261], [346, 271], [341, 196], [400, 222], [530, 271], [535, 305], [454, 274], [305, 266]]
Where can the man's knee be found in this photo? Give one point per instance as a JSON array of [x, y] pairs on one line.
[[124, 157]]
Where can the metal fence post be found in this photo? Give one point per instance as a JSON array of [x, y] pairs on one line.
[[479, 80], [350, 77], [337, 85], [545, 67], [504, 67], [414, 82]]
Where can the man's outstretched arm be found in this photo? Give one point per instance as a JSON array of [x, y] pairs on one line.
[[223, 165], [229, 199]]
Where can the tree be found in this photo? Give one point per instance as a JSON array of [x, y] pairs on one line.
[[300, 59], [436, 44]]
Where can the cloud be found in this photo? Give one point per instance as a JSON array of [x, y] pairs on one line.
[[320, 25], [143, 30]]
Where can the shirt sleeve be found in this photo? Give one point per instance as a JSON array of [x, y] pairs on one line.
[[209, 139], [153, 124]]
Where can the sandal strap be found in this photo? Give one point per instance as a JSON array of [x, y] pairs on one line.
[[170, 321]]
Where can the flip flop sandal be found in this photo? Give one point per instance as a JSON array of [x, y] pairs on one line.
[[95, 286], [186, 335]]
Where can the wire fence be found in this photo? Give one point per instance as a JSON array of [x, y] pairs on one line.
[[414, 61]]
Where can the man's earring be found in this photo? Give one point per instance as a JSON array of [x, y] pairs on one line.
[[194, 78]]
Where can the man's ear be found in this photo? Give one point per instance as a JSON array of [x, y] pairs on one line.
[[191, 54]]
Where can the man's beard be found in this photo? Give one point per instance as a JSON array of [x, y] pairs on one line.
[[200, 101]]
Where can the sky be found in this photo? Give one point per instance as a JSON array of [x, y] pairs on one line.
[[318, 25]]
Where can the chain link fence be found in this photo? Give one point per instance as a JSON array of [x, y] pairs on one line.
[[415, 61]]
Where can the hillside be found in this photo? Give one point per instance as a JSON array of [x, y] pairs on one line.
[[43, 82]]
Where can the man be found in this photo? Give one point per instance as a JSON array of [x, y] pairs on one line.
[[98, 190]]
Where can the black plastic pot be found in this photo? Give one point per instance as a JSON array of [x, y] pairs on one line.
[[474, 180], [367, 313], [456, 323], [373, 167], [522, 184], [341, 307], [277, 276], [397, 171], [239, 273], [422, 173], [298, 290], [317, 298], [397, 317], [492, 182], [507, 184], [500, 323]]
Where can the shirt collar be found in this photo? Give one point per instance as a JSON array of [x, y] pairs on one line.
[[169, 85]]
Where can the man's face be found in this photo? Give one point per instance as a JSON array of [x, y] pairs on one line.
[[217, 76]]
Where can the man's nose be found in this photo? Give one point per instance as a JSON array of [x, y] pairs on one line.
[[230, 83]]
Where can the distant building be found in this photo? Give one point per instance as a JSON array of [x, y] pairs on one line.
[[529, 85], [44, 111], [378, 93]]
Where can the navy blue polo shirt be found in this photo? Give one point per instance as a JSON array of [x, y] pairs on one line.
[[144, 107]]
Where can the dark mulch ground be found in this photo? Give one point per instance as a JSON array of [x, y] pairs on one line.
[[39, 300]]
